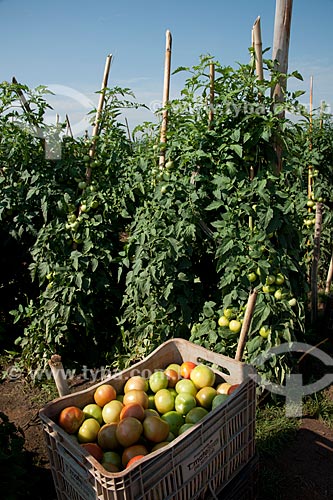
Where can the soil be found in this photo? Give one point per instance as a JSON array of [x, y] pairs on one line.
[[307, 463], [303, 470]]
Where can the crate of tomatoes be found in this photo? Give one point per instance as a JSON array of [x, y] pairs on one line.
[[178, 424]]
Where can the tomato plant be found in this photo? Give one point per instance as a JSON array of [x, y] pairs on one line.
[[106, 268]]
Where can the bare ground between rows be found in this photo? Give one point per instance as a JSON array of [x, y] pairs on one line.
[[303, 470]]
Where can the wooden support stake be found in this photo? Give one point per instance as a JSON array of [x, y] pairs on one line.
[[69, 128], [96, 128], [128, 131], [315, 262], [329, 277], [166, 91], [280, 53], [211, 94], [257, 46], [28, 111], [282, 25], [59, 375], [257, 49], [246, 324], [310, 167]]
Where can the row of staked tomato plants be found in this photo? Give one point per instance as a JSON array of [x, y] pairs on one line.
[[161, 253]]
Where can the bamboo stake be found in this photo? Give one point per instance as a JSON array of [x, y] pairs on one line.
[[321, 122], [96, 128], [281, 40], [28, 111], [128, 130], [329, 277], [59, 375], [211, 94], [280, 52], [69, 128], [310, 168], [257, 49], [166, 90], [315, 262], [257, 46], [246, 324]]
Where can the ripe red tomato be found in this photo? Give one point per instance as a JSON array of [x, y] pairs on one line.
[[71, 418], [185, 368]]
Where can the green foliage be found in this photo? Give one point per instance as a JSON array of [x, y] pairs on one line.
[[117, 263]]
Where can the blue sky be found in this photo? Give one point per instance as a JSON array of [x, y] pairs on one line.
[[64, 44]]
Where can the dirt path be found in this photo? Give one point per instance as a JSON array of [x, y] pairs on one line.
[[303, 471]]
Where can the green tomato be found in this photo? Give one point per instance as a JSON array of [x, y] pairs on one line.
[[164, 401], [292, 302], [278, 294], [235, 326], [95, 164], [75, 226], [175, 421], [184, 402], [223, 321], [94, 204], [270, 280], [279, 279], [71, 218], [252, 277], [169, 165], [229, 313], [157, 381], [264, 331]]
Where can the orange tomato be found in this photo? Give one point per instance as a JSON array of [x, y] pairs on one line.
[[133, 460], [104, 394], [185, 368]]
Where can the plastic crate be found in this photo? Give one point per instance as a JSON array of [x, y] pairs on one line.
[[195, 465], [244, 486]]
